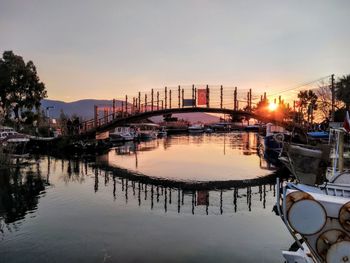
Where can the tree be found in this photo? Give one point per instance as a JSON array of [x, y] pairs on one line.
[[342, 90], [20, 86], [308, 103], [324, 94]]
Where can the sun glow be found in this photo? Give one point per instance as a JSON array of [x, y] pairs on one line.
[[272, 106]]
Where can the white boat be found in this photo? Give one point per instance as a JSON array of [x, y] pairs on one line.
[[8, 135], [146, 131], [316, 210], [208, 130], [196, 128], [12, 141], [122, 134], [318, 219]]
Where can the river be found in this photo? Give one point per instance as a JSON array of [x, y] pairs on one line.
[[183, 198]]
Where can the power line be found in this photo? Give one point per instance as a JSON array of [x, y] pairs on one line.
[[299, 86]]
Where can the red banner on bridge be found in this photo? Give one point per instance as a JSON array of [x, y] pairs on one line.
[[202, 96]]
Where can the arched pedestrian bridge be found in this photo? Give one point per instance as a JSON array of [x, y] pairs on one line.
[[195, 98]]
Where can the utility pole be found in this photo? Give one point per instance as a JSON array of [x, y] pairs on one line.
[[333, 97]]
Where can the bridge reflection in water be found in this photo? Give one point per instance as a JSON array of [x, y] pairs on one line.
[[22, 189], [183, 197]]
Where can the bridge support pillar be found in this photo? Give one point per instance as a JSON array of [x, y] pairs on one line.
[[169, 99], [152, 99], [221, 96], [235, 101], [178, 96], [105, 115], [145, 107], [139, 99], [250, 99], [113, 108], [193, 97], [165, 97], [157, 100], [126, 104], [183, 97]]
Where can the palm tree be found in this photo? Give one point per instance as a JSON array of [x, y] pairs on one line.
[[342, 91], [308, 101]]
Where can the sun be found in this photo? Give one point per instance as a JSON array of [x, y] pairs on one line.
[[272, 106]]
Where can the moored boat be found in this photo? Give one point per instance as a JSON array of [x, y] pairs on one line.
[[146, 131], [12, 141], [308, 164], [221, 127], [196, 128], [122, 134], [273, 140], [316, 210], [318, 219]]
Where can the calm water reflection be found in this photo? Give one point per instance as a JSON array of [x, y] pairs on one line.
[[231, 156], [70, 210]]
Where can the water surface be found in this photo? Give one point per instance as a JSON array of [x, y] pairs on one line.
[[72, 210]]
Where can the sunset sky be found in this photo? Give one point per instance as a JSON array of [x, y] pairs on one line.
[[105, 49]]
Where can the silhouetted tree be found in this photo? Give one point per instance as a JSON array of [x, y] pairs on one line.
[[20, 86], [343, 90], [308, 103], [324, 106]]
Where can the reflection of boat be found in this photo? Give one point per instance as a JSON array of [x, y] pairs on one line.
[[266, 161], [320, 216], [162, 132], [126, 149], [122, 134], [196, 128]]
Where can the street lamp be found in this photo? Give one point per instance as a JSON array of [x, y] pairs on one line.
[[48, 117]]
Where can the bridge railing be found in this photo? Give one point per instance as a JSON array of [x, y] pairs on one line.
[[204, 96]]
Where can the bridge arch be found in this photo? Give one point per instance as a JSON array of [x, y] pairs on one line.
[[144, 115]]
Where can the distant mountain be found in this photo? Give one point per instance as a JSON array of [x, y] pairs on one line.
[[81, 108], [85, 109]]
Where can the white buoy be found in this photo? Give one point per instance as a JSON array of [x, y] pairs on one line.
[[339, 252], [307, 216]]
